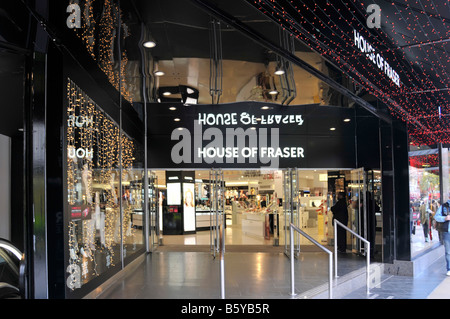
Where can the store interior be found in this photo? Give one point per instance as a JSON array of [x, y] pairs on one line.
[[254, 208]]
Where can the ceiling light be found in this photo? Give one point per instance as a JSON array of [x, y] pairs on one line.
[[332, 128], [273, 92], [346, 120], [149, 44], [176, 119], [180, 129], [253, 128], [279, 71], [166, 93], [172, 108], [159, 73], [265, 108]]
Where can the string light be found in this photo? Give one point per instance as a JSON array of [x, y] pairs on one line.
[[90, 129], [325, 28], [103, 51]]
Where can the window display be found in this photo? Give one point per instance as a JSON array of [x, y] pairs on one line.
[[189, 207], [104, 192], [424, 185]]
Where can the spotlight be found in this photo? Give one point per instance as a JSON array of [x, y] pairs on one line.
[[279, 71], [149, 44]]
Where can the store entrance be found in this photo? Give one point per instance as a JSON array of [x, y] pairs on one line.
[[258, 207]]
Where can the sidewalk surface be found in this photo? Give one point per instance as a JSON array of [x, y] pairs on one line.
[[432, 283]]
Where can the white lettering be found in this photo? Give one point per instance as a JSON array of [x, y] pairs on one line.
[[365, 47]]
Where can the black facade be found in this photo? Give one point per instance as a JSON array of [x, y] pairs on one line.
[[54, 55]]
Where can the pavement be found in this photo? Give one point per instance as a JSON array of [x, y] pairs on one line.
[[432, 283]]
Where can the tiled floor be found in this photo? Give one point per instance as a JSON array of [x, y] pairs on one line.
[[191, 275], [195, 275], [184, 269], [428, 284]]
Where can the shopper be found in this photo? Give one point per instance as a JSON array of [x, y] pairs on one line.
[[442, 218], [340, 213], [424, 218]]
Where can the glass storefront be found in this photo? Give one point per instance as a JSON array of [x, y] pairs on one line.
[[424, 181], [143, 53], [104, 190], [256, 214]]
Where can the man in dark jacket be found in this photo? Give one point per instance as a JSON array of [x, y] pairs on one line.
[[340, 212]]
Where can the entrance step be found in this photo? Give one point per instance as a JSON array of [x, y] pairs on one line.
[[235, 248], [345, 284]]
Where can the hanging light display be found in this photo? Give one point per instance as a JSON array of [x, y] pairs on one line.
[[406, 40], [97, 152], [102, 51]]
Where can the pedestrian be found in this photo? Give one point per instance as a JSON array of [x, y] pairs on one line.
[[442, 218], [340, 213], [424, 217]]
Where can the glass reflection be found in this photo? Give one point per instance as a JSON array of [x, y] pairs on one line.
[[95, 148], [424, 184]]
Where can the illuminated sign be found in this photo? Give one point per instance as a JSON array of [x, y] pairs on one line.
[[250, 135], [229, 145], [376, 58]]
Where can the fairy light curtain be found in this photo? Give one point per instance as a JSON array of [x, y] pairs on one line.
[[100, 30], [412, 38], [97, 153]]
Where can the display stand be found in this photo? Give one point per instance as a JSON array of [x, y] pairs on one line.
[[179, 215]]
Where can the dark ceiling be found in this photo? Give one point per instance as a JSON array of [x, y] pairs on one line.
[[184, 32], [414, 38]]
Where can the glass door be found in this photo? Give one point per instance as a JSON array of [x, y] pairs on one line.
[[217, 211], [357, 208], [291, 208]]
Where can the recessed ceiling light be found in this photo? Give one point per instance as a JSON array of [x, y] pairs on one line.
[[265, 108], [273, 92], [279, 72], [166, 93], [159, 73], [332, 128], [149, 44], [176, 119], [346, 120], [172, 108]]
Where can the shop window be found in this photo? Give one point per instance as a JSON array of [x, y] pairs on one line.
[[424, 185], [100, 158]]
